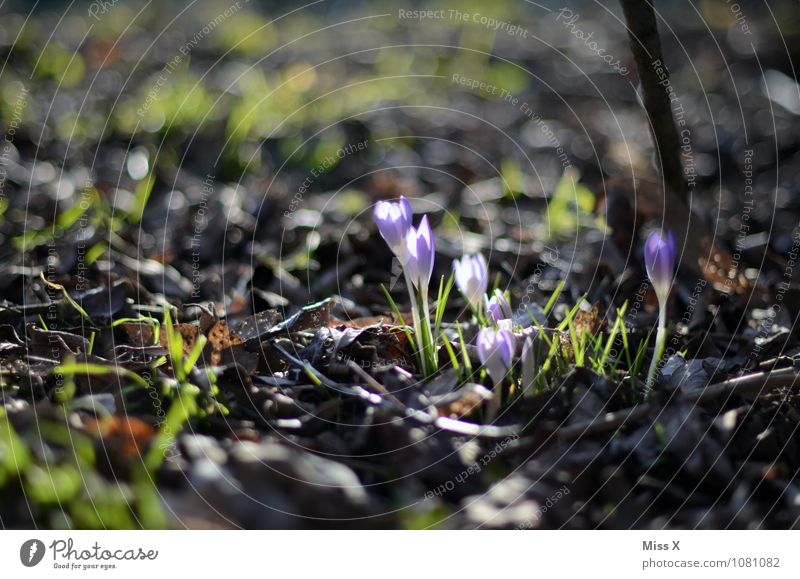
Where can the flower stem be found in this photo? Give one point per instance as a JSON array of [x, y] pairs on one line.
[[418, 335], [477, 311], [493, 407], [661, 338], [430, 353]]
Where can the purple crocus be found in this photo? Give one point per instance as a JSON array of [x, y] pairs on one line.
[[472, 278], [496, 349], [394, 221], [659, 260], [420, 251], [497, 308]]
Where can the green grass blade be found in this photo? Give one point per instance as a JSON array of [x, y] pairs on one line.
[[397, 313], [464, 354], [87, 369], [453, 358], [142, 196], [194, 355], [72, 302], [553, 297], [441, 304]]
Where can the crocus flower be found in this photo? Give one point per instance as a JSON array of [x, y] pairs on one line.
[[420, 248], [394, 221], [416, 249], [472, 278], [659, 260], [497, 308], [496, 350]]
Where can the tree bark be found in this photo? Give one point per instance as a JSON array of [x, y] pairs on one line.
[[645, 44]]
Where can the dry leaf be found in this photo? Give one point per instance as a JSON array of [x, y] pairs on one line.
[[221, 338], [590, 322], [188, 332], [125, 434]]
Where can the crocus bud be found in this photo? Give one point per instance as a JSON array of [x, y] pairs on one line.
[[496, 351], [498, 307], [472, 278], [394, 221], [420, 248], [659, 260]]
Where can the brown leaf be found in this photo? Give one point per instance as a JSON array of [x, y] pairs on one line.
[[221, 338], [463, 402], [188, 332], [139, 335], [125, 434], [590, 322]]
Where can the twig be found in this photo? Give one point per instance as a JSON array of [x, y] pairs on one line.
[[374, 384], [451, 425]]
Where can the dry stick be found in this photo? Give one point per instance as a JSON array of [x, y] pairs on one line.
[[374, 384], [754, 383], [449, 424], [645, 44]]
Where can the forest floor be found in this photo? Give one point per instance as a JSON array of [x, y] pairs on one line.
[[193, 330]]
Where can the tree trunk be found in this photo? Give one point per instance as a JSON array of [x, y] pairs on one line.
[[646, 47]]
